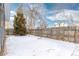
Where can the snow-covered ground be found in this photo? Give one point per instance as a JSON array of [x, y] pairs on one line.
[[31, 45]]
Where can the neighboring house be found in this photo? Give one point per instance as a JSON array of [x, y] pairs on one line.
[[2, 27]]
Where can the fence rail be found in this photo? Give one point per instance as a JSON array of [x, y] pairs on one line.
[[70, 33]]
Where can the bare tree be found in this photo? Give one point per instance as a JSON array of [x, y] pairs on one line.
[[35, 12]]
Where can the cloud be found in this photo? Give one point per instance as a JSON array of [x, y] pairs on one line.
[[12, 13], [10, 23], [11, 18], [65, 15]]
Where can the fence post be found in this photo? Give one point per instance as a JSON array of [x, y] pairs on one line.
[[68, 32], [75, 35], [51, 33]]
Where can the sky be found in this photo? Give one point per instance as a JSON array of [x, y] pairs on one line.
[[52, 6], [51, 9], [74, 6]]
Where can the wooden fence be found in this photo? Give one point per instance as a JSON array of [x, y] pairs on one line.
[[70, 33]]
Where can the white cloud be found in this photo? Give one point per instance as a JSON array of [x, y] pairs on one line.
[[65, 15], [69, 17], [12, 13], [11, 18]]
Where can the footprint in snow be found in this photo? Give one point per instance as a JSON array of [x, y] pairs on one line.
[[50, 50]]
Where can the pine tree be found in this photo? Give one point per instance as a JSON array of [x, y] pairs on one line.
[[19, 24]]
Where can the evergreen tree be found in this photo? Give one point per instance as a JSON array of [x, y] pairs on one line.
[[19, 24]]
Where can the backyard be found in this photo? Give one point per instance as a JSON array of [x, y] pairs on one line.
[[31, 45], [37, 30]]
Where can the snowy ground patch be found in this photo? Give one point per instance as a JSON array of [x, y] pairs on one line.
[[31, 45]]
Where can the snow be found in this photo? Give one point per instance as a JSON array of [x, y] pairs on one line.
[[31, 45]]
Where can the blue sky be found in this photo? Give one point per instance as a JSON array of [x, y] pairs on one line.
[[52, 7], [74, 6]]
